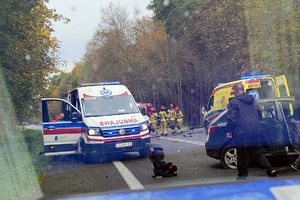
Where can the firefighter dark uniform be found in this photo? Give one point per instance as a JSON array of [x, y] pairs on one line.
[[171, 118], [178, 119], [154, 122], [163, 121]]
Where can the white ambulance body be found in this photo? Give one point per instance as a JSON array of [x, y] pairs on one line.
[[99, 119]]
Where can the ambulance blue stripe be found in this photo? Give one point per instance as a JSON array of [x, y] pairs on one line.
[[64, 125], [81, 124], [213, 113]]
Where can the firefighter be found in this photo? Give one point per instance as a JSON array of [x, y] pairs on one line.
[[154, 122], [171, 118], [178, 119], [171, 108], [163, 121]]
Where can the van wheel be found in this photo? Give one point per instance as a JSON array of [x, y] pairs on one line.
[[87, 158], [229, 158]]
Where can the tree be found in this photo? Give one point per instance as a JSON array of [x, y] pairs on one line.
[[274, 41], [28, 52], [190, 46], [106, 58]]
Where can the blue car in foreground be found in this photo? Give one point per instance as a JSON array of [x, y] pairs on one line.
[[279, 137]]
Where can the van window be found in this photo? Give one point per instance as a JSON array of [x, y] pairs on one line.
[[267, 110], [287, 108], [209, 106], [268, 90], [223, 119], [73, 98], [282, 91], [55, 108]]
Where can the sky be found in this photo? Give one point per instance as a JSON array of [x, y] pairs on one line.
[[84, 15]]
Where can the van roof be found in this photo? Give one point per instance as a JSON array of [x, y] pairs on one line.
[[100, 83]]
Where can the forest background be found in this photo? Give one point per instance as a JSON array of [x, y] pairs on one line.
[[177, 56]]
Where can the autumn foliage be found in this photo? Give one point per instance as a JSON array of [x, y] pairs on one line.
[[187, 47]]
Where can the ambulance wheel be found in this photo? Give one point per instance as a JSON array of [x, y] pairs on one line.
[[87, 158], [144, 153]]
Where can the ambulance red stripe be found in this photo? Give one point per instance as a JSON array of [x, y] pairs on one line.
[[63, 131], [252, 81]]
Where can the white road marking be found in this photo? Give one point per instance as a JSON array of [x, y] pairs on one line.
[[131, 180], [183, 140], [128, 177]]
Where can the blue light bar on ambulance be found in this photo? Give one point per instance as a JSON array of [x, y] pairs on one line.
[[252, 76], [100, 83]]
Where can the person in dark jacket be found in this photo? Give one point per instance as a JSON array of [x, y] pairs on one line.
[[243, 126]]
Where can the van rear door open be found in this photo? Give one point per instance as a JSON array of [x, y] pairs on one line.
[[282, 88], [60, 137]]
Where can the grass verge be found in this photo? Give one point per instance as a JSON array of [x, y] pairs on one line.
[[34, 141]]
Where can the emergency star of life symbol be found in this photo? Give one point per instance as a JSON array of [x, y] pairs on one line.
[[105, 92], [255, 94], [223, 100], [122, 132]]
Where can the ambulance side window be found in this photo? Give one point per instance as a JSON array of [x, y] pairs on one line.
[[210, 104], [282, 91], [267, 89]]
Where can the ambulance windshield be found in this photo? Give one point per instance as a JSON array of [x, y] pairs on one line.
[[111, 105]]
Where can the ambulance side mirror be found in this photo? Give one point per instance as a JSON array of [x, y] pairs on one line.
[[204, 110], [143, 110], [75, 117]]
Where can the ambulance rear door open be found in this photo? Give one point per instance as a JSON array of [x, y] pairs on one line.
[[282, 88], [60, 137]]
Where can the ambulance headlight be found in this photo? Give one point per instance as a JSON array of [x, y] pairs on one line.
[[94, 131], [143, 127]]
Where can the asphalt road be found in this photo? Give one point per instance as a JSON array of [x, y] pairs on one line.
[[72, 177]]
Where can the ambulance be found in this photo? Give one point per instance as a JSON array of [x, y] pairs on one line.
[[260, 86], [100, 119]]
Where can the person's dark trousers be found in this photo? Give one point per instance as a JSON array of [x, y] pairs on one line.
[[249, 147]]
